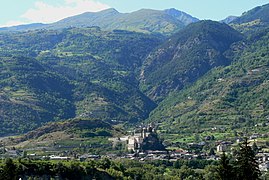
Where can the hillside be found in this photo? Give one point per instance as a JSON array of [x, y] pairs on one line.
[[145, 20], [185, 57], [71, 73], [79, 133], [232, 98], [31, 95], [258, 13], [252, 20]]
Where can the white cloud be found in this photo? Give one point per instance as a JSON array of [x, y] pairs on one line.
[[46, 13]]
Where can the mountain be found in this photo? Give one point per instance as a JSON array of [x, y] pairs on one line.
[[101, 19], [183, 17], [229, 19], [24, 27], [258, 13], [49, 75], [144, 20], [204, 77], [185, 57], [226, 99], [252, 20]]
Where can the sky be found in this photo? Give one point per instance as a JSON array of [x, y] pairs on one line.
[[15, 12]]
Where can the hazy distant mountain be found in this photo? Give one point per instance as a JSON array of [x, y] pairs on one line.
[[24, 27], [253, 20], [87, 19], [181, 16], [144, 20], [229, 19], [259, 13]]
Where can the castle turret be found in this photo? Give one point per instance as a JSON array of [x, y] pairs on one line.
[[150, 129], [144, 133]]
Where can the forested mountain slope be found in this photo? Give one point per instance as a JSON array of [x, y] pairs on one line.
[[185, 57], [30, 95], [232, 97], [48, 75]]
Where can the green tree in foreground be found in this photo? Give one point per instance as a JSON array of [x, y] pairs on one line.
[[247, 166], [225, 169], [9, 170], [255, 148]]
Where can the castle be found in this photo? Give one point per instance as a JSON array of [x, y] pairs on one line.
[[135, 141], [143, 138]]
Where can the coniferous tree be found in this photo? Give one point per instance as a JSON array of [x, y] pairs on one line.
[[255, 148], [247, 166], [9, 170], [211, 152], [225, 170]]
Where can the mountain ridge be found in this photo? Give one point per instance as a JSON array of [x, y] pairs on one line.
[[252, 20], [203, 75], [143, 20]]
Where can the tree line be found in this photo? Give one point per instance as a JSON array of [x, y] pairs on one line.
[[242, 165]]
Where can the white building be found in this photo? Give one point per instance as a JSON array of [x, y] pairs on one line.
[[134, 142], [221, 148]]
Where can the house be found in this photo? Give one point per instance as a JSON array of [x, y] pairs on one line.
[[53, 157], [264, 166], [89, 156], [254, 136], [222, 148], [207, 138], [239, 140]]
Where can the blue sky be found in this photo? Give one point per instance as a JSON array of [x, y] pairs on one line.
[[14, 12]]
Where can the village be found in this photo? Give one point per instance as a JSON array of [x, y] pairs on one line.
[[137, 144], [143, 144]]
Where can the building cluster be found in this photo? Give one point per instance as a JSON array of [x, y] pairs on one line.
[[134, 142], [263, 159], [136, 138]]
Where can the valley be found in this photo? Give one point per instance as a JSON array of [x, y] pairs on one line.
[[154, 86]]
